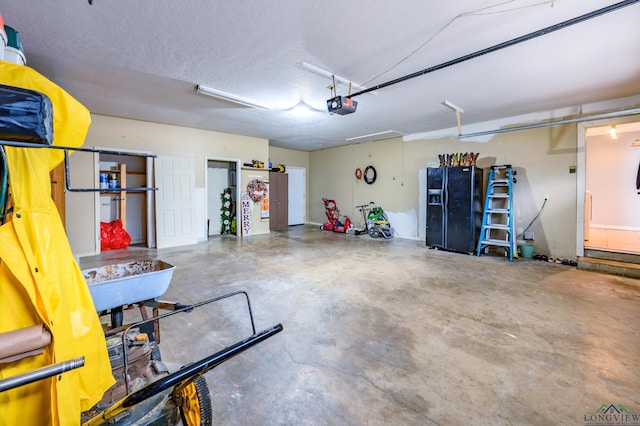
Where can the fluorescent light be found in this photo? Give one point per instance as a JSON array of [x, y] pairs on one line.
[[204, 90], [329, 74], [387, 134]]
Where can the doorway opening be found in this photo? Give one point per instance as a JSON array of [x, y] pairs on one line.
[[611, 186], [222, 177]]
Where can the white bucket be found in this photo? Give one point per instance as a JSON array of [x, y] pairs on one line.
[[13, 55], [3, 43]]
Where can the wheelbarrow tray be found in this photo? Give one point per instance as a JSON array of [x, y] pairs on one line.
[[120, 284]]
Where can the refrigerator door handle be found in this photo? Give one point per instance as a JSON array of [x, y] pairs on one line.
[[445, 207]]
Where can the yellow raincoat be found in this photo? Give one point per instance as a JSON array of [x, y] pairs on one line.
[[40, 282]]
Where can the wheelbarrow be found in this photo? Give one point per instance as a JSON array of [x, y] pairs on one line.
[[148, 391], [173, 393]]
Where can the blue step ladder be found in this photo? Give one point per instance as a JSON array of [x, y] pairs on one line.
[[497, 221]]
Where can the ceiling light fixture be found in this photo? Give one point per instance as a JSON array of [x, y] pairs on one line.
[[301, 109], [208, 91], [613, 132]]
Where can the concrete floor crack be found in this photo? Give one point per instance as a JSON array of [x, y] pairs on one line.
[[362, 377]]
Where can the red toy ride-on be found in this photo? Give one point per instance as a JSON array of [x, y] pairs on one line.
[[333, 218]]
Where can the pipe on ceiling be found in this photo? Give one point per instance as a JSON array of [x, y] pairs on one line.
[[503, 45], [552, 123]]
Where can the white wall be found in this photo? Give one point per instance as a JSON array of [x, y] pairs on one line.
[[612, 169]]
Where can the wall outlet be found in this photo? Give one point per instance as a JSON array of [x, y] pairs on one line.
[[529, 235]]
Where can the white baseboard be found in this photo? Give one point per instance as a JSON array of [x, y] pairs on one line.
[[619, 228]]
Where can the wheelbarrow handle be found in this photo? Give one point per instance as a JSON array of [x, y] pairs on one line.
[[186, 374], [199, 367]]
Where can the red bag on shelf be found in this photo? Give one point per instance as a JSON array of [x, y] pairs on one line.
[[113, 236]]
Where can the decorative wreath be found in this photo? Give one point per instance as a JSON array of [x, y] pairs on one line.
[[358, 173], [368, 179], [256, 189]]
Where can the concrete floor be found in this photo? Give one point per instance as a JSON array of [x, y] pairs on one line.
[[383, 332]]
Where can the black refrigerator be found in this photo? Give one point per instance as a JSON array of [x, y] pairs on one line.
[[454, 208]]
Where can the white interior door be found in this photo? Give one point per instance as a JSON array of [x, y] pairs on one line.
[[217, 181], [175, 201], [297, 195]]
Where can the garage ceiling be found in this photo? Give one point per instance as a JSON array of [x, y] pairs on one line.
[[142, 60]]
